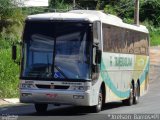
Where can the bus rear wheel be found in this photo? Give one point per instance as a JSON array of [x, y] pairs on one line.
[[97, 108], [40, 108], [130, 100], [136, 94]]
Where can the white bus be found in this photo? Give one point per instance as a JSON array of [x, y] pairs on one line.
[[83, 58]]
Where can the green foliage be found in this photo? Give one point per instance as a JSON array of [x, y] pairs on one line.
[[60, 5], [11, 21], [110, 10], [100, 4], [33, 10], [128, 20], [150, 10], [155, 38], [9, 73], [124, 9], [154, 33]]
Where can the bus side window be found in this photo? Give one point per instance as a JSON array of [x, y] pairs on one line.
[[106, 38]]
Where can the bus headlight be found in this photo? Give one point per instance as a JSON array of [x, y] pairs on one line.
[[23, 85]]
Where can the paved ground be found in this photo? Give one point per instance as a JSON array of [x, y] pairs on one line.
[[155, 56], [154, 62], [150, 103], [9, 101]]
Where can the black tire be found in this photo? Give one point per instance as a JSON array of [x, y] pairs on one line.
[[136, 94], [97, 108], [129, 101], [41, 108]]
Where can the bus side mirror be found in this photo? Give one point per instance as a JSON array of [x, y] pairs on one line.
[[14, 52], [96, 32], [94, 56], [97, 54]]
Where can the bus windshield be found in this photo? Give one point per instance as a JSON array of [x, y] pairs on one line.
[[56, 50]]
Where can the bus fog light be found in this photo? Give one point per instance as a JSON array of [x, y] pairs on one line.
[[75, 96], [27, 86], [78, 96], [26, 94], [82, 88], [81, 97]]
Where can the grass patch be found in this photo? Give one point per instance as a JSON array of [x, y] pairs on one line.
[[9, 75], [155, 38]]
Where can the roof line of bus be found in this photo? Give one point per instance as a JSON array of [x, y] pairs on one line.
[[88, 15]]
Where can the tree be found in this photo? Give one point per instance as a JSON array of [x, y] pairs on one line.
[[60, 5], [11, 19], [150, 10]]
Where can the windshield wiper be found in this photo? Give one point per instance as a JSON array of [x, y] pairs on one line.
[[59, 70]]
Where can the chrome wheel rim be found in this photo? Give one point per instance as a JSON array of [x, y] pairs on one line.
[[100, 101]]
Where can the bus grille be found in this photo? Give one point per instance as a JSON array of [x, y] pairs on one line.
[[49, 86]]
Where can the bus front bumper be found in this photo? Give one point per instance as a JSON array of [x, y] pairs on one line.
[[82, 98]]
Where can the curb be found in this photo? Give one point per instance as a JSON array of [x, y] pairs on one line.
[[5, 101]]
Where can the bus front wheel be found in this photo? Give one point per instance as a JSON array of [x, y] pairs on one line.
[[40, 108], [97, 108]]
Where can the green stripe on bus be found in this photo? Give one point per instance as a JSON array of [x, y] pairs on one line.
[[122, 94], [144, 74]]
